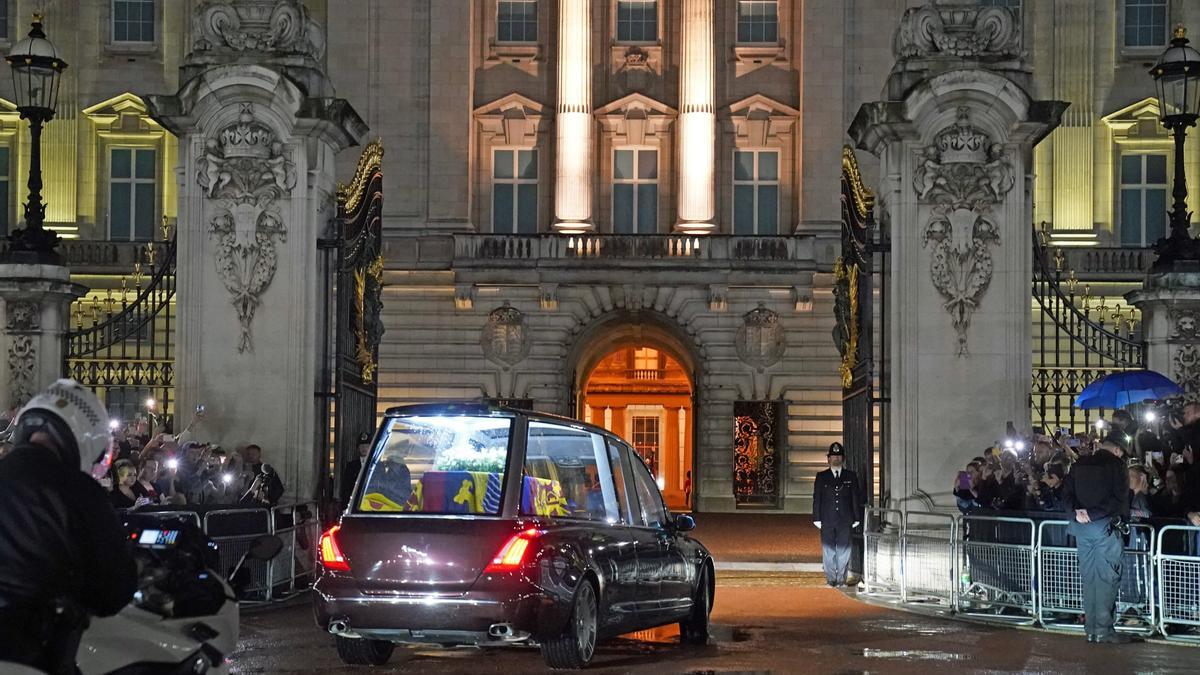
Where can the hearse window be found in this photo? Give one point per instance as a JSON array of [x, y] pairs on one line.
[[439, 465], [567, 475], [654, 514]]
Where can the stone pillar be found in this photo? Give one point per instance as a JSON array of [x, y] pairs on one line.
[[37, 313], [257, 132], [573, 119], [955, 134], [697, 120], [1170, 307]]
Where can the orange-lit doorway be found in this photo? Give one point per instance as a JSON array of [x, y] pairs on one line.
[[644, 395]]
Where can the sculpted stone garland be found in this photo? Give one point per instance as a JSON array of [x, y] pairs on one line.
[[964, 174], [244, 171], [24, 321]]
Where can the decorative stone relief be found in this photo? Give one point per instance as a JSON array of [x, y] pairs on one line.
[[24, 320], [505, 339], [1185, 325], [760, 341], [1187, 368], [964, 174], [281, 26], [718, 298], [245, 170], [959, 30]]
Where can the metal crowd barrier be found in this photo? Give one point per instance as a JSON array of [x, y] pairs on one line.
[[1060, 596], [235, 529], [1178, 579], [929, 561], [1025, 571], [882, 551], [998, 568]]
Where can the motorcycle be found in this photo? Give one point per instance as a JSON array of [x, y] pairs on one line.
[[184, 615]]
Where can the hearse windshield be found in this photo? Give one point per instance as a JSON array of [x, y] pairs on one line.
[[438, 465]]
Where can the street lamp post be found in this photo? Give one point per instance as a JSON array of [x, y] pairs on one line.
[[36, 71], [1177, 78]]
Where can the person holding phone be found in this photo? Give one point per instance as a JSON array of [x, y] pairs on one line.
[[965, 495]]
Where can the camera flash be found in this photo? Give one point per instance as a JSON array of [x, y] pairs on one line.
[[1150, 416], [227, 478], [150, 404], [1099, 424], [1019, 445], [172, 464], [114, 424]]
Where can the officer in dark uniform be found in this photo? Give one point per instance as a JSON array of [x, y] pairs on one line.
[[354, 467], [1096, 500], [837, 510]]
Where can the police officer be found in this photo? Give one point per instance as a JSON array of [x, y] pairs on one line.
[[837, 510], [63, 552], [354, 467], [1096, 500]]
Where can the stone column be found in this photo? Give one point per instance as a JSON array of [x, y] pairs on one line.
[[573, 119], [1170, 307], [697, 120], [257, 132], [955, 134], [37, 312]]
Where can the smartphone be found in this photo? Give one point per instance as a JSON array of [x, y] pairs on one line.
[[1156, 456], [964, 480]]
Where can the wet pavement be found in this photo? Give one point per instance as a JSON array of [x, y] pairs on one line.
[[763, 623], [777, 537]]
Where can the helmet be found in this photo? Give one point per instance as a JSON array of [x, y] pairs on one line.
[[72, 415]]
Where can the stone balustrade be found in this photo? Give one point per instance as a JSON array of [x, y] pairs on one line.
[[1107, 262], [655, 249], [100, 256]]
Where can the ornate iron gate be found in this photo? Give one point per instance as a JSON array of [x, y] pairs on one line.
[[358, 326], [756, 452], [122, 348], [853, 334], [1070, 348]]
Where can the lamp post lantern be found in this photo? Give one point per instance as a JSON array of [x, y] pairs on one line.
[[1177, 79], [36, 72]]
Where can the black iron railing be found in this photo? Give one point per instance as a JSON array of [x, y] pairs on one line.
[[1075, 343], [121, 343]]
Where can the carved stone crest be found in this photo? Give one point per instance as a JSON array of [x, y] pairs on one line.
[[505, 338], [1185, 325], [278, 26], [1187, 368], [959, 31], [964, 174], [245, 170], [23, 322], [760, 341]]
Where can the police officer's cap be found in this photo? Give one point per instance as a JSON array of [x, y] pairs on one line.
[[836, 450], [364, 437]]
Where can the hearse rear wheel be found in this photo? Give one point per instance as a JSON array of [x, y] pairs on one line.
[[694, 629], [363, 652], [574, 648]]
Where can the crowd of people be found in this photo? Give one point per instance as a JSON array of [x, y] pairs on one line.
[[1159, 448], [156, 468]]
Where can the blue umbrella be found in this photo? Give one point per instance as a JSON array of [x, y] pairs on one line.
[[1126, 388]]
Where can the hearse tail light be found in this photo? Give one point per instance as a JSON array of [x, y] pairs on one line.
[[331, 555], [511, 556]]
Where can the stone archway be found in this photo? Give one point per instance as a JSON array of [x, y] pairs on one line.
[[636, 374]]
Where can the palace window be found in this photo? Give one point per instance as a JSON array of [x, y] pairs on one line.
[[757, 21], [756, 192], [133, 20], [1014, 5], [5, 208], [645, 360], [635, 191], [645, 436], [516, 21], [131, 194], [514, 191], [1143, 208], [1145, 23], [637, 21]]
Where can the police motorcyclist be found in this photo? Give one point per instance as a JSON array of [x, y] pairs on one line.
[[1096, 500], [63, 552]]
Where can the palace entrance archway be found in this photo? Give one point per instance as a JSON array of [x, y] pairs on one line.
[[638, 381]]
